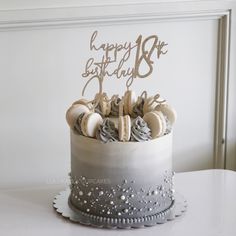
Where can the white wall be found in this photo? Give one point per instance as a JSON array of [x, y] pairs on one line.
[[40, 77]]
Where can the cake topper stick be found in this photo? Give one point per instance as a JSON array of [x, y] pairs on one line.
[[100, 82], [129, 82], [100, 96]]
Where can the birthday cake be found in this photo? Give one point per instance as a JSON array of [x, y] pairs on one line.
[[121, 152]]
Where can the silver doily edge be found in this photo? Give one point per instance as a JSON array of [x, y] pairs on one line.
[[62, 206]]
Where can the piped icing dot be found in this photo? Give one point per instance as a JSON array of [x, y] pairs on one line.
[[140, 130]]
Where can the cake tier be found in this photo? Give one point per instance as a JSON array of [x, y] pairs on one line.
[[121, 179]]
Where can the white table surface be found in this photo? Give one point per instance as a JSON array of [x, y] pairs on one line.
[[211, 196]]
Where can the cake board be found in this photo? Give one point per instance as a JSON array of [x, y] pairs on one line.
[[62, 205]]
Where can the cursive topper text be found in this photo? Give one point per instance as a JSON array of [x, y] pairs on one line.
[[116, 60]]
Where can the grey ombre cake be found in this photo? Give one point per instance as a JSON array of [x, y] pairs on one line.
[[120, 183]]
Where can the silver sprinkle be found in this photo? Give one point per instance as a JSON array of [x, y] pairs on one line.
[[125, 210], [122, 197], [154, 192], [81, 193]]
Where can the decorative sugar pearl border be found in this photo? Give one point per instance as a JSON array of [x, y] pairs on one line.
[[62, 206]]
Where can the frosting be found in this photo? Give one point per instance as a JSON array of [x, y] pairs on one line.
[[107, 132], [168, 125], [138, 109], [140, 131], [115, 107], [77, 126]]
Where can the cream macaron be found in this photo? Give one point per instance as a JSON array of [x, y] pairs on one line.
[[83, 101], [90, 123], [104, 103], [124, 128], [105, 106], [168, 111], [129, 101], [156, 122], [73, 112], [149, 105]]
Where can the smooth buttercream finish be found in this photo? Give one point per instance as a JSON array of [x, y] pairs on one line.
[[117, 179]]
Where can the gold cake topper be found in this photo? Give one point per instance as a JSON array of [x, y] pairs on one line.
[[117, 55]]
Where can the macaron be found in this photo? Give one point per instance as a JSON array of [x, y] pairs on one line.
[[168, 111], [83, 101], [105, 107], [149, 105], [124, 128], [73, 112], [129, 101], [156, 122], [104, 104], [90, 123]]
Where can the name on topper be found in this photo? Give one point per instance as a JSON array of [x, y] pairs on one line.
[[115, 59]]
